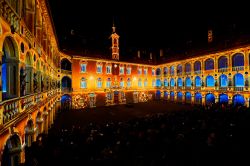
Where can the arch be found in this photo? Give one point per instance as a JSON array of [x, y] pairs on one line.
[[12, 151], [158, 82], [171, 70], [172, 82], [188, 82], [197, 81], [238, 100], [223, 98], [165, 70], [197, 66], [158, 72], [223, 80], [165, 82], [209, 64], [171, 96], [158, 95], [28, 73], [198, 98], [10, 68], [29, 132], [238, 60], [39, 123], [66, 82], [65, 64], [210, 99], [153, 83], [187, 67], [210, 81], [84, 83], [188, 97], [179, 97], [179, 69], [179, 82], [66, 102], [165, 95], [238, 80], [222, 62]]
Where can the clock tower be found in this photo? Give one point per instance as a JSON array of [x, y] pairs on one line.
[[115, 44]]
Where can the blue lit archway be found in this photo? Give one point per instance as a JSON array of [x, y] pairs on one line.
[[188, 97], [238, 60], [238, 100], [223, 80], [179, 82], [210, 99], [158, 83], [209, 64], [165, 95], [158, 95], [165, 82], [210, 81], [238, 80], [172, 82], [223, 99], [197, 66], [188, 82], [187, 67], [171, 96], [197, 81], [179, 97], [198, 98], [222, 62]]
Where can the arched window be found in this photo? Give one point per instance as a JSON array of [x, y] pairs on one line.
[[158, 95], [128, 83], [121, 83], [158, 83], [210, 81], [165, 71], [108, 83], [197, 81], [209, 64], [139, 83], [66, 83], [171, 96], [158, 72], [145, 82], [10, 62], [172, 82], [99, 83], [238, 60], [222, 62], [197, 66], [188, 82], [187, 67], [165, 82], [153, 83], [28, 74], [223, 80], [172, 70], [179, 69], [165, 95], [179, 82], [83, 83], [238, 80], [66, 64]]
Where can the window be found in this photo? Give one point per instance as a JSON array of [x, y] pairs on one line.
[[128, 83], [153, 72], [128, 70], [108, 83], [121, 70], [139, 83], [83, 68], [139, 71], [99, 83], [108, 69], [121, 83], [145, 83], [145, 71], [153, 83], [99, 69], [83, 83]]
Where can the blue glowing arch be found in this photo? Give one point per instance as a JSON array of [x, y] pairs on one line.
[[188, 82], [210, 99], [171, 96], [197, 81], [197, 66], [223, 99], [158, 71], [223, 80], [238, 60], [238, 80], [172, 82], [179, 82], [188, 97], [158, 94], [210, 81], [238, 100], [209, 64], [187, 67], [222, 62], [165, 82], [198, 98], [158, 83], [179, 97], [165, 95]]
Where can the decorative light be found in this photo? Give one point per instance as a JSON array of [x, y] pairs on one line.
[[115, 65], [91, 77], [134, 79]]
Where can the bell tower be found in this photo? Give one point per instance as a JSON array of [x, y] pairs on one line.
[[115, 44]]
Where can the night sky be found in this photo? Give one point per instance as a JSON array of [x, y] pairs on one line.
[[84, 28]]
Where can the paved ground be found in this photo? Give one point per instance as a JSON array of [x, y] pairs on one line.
[[115, 113]]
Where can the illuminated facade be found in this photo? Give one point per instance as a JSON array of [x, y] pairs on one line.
[[36, 78]]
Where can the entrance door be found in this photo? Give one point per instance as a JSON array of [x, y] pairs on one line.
[[116, 97]]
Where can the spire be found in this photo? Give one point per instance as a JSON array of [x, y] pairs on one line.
[[113, 27]]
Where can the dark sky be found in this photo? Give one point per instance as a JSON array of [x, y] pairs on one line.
[[173, 27]]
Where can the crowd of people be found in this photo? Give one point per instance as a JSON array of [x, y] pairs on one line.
[[203, 137]]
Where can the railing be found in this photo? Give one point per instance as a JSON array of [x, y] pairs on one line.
[[197, 72], [10, 15], [10, 110], [237, 68], [179, 73], [188, 87], [67, 90], [223, 88], [68, 72], [239, 88], [223, 70], [27, 102], [188, 73], [198, 88]]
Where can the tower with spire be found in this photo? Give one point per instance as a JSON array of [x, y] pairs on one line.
[[115, 43]]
